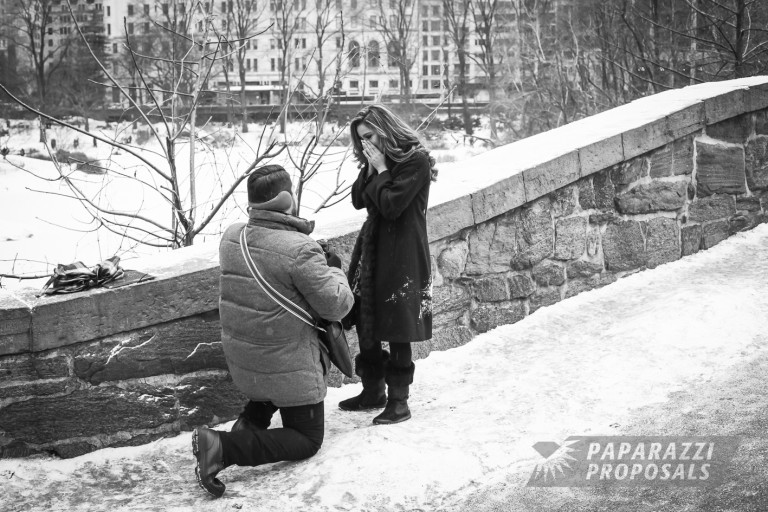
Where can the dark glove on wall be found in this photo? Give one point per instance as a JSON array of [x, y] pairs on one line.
[[333, 259]]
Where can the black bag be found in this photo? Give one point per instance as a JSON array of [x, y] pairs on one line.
[[335, 343]]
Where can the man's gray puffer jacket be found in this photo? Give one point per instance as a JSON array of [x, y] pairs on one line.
[[272, 355]]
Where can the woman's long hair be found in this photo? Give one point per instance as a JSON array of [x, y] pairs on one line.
[[400, 141]]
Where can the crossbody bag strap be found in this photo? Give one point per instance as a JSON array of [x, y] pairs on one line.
[[283, 301]]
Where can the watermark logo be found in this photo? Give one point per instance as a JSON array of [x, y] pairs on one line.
[[582, 461]]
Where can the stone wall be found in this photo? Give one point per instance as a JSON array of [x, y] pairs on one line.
[[608, 196]]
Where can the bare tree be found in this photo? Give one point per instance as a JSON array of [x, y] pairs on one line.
[[288, 21], [485, 16], [397, 26], [456, 12], [29, 26], [244, 18]]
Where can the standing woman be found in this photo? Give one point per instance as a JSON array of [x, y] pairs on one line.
[[390, 269]]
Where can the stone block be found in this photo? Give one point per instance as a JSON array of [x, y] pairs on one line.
[[586, 194], [208, 400], [653, 197], [444, 339], [582, 268], [682, 156], [570, 238], [37, 388], [449, 218], [544, 297], [499, 198], [601, 155], [629, 172], [178, 347], [584, 284], [724, 106], [756, 98], [740, 223], [487, 317], [686, 121], [605, 191], [735, 129], [453, 259], [761, 122], [602, 218], [491, 246], [520, 286], [748, 204], [624, 246], [85, 413], [690, 239], [661, 162], [711, 208], [491, 289], [29, 367], [712, 233], [564, 201], [15, 325], [719, 169], [643, 139], [63, 320], [548, 273], [535, 234], [756, 163], [662, 241], [449, 303], [550, 176]]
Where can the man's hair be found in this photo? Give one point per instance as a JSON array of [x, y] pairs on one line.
[[266, 182]]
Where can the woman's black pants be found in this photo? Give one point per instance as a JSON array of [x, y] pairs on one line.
[[299, 438]]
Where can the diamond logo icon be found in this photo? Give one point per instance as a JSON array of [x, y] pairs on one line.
[[546, 448]]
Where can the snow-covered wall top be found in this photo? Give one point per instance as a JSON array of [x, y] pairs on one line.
[[186, 281]]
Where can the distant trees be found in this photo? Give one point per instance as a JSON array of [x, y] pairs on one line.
[[397, 23]]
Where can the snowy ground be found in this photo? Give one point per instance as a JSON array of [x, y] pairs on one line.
[[678, 350]]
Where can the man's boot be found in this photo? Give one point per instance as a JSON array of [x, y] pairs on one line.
[[373, 395], [207, 448], [398, 382]]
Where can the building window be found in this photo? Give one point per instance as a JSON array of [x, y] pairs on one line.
[[435, 84], [436, 41], [146, 27], [146, 9], [436, 26], [255, 64], [114, 48], [272, 44], [373, 84], [394, 84], [435, 70], [425, 40], [338, 42], [425, 84], [296, 64], [272, 64], [353, 4], [109, 29], [425, 70], [374, 56], [425, 55], [109, 11], [353, 84], [354, 54], [165, 9], [130, 28], [425, 26], [392, 54], [130, 10]]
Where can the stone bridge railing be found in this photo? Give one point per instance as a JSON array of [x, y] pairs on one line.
[[513, 230]]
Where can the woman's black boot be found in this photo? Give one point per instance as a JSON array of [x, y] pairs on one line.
[[398, 382], [373, 395]]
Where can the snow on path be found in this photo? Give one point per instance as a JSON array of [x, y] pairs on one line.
[[577, 367]]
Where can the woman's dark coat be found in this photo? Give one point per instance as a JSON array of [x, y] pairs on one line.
[[402, 278]]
